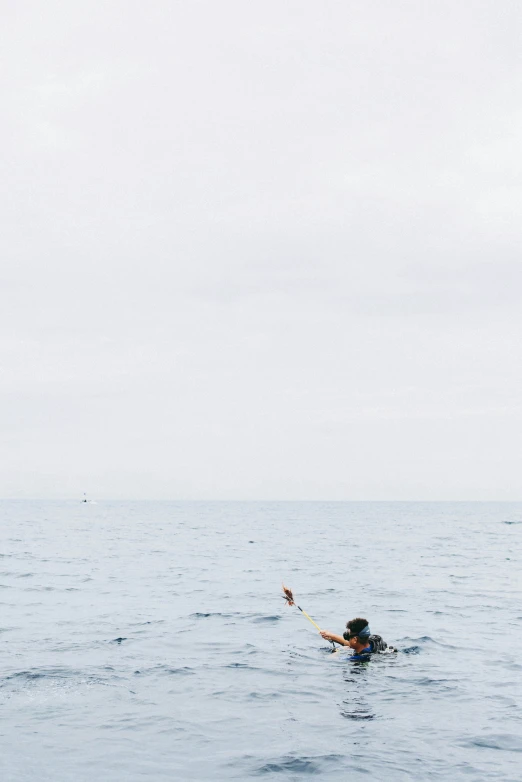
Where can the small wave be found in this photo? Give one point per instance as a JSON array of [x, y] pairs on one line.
[[511, 522], [426, 681], [165, 670], [426, 640], [504, 741], [118, 640], [202, 615], [42, 589], [34, 674], [184, 671], [29, 675], [264, 696], [243, 665], [151, 622], [259, 619], [305, 765], [357, 715]]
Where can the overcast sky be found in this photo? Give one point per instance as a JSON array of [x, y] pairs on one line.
[[261, 250]]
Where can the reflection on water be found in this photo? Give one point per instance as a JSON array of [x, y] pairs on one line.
[[356, 705]]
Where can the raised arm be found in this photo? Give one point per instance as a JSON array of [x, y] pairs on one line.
[[338, 639]]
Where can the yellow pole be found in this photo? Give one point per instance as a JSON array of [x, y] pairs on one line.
[[309, 618]]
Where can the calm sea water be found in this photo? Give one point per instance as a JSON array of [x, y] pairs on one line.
[[149, 641]]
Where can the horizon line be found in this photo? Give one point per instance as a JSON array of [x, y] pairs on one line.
[[258, 500]]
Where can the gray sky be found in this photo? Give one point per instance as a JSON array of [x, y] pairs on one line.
[[261, 249]]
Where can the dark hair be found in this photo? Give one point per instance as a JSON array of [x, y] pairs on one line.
[[354, 627]]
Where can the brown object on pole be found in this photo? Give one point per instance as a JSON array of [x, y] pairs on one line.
[[288, 596]]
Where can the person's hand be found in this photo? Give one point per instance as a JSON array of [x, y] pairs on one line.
[[326, 635]]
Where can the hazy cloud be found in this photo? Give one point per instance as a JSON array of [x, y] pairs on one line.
[[264, 250]]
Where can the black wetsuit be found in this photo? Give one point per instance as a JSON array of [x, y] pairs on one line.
[[362, 656], [375, 645]]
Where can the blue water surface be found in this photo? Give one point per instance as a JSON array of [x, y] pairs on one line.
[[149, 641]]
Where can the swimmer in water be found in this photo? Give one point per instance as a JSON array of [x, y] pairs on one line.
[[359, 638]]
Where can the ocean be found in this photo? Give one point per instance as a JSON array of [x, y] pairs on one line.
[[149, 640]]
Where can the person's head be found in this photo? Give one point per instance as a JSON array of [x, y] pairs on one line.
[[357, 633]]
